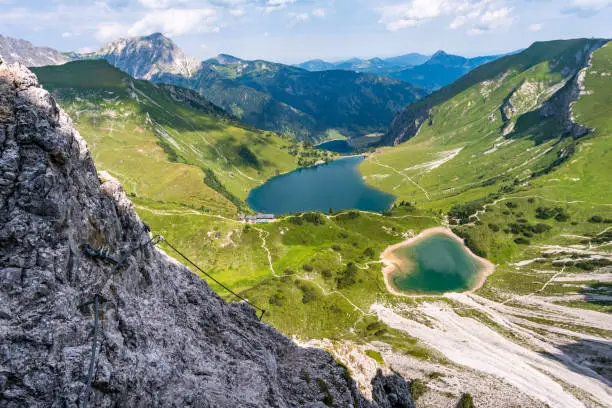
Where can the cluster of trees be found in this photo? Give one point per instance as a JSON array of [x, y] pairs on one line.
[[545, 213], [348, 277], [313, 218], [597, 219]]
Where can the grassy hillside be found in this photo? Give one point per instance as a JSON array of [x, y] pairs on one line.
[[167, 144], [507, 129]]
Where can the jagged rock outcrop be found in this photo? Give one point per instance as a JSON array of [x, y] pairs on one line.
[[15, 50], [166, 339], [560, 104], [406, 124]]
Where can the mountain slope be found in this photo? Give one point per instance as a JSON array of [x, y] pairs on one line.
[[507, 119], [164, 338], [273, 96], [440, 70], [167, 144], [15, 50]]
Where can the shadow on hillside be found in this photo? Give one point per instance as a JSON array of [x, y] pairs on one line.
[[599, 293], [591, 358]]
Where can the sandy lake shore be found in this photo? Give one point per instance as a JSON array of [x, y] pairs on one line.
[[392, 262]]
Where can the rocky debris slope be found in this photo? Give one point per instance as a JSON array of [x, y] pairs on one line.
[[166, 339], [14, 50]]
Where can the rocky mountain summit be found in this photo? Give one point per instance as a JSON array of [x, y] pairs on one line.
[[15, 50], [144, 57], [164, 337]]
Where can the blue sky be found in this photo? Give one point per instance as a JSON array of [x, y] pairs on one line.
[[295, 30]]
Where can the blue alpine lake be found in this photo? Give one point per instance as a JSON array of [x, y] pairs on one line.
[[337, 185], [336, 146]]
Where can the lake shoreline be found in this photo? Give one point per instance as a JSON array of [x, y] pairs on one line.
[[392, 262], [336, 184]]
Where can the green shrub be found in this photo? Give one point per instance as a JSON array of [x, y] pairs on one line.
[[545, 213], [541, 228], [307, 268], [376, 356], [350, 215], [462, 212], [328, 399], [296, 220], [466, 401], [309, 293], [369, 252], [522, 241], [348, 277], [596, 219], [494, 227], [276, 299], [417, 389], [314, 218]]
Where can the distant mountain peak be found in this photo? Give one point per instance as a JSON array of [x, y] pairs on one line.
[[143, 57], [16, 50], [155, 35], [227, 59], [440, 53]]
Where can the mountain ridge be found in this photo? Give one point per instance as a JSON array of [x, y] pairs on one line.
[[538, 52], [376, 65], [440, 70], [14, 50], [272, 96]]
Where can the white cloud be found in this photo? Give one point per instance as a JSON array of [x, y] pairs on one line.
[[586, 8], [275, 5], [459, 21], [110, 31], [237, 12], [159, 4], [176, 22], [535, 27], [318, 12], [476, 15], [66, 35], [298, 17]]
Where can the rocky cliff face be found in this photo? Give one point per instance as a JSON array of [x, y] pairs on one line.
[[145, 57], [14, 50], [165, 339]]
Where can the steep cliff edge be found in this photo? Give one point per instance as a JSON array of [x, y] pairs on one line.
[[165, 338]]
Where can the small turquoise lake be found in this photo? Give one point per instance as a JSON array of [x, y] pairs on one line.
[[434, 264], [337, 185]]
